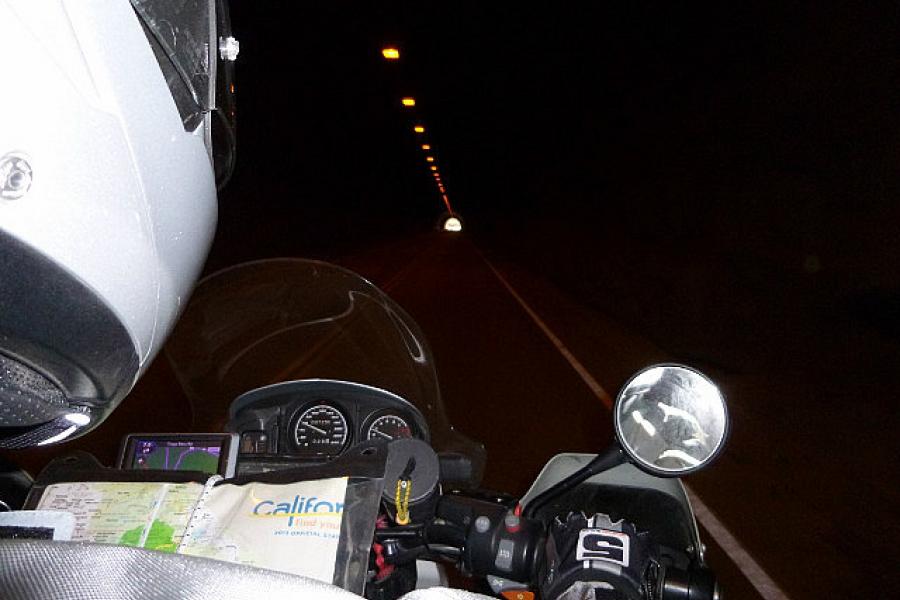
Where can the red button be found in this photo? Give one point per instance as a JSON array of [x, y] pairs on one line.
[[512, 522]]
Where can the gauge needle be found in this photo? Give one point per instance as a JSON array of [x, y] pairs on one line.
[[384, 435], [314, 428]]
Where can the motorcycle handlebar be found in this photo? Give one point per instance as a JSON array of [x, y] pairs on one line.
[[493, 539]]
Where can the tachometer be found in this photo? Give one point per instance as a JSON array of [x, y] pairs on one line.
[[321, 429], [388, 427]]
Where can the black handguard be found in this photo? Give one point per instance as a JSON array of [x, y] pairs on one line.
[[598, 559]]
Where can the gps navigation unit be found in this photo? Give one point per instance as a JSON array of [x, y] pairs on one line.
[[207, 452]]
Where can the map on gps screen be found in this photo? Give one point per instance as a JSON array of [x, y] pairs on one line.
[[172, 455]]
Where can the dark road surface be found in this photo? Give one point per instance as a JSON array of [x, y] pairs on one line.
[[505, 384], [797, 488]]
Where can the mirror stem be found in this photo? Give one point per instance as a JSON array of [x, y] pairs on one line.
[[612, 457]]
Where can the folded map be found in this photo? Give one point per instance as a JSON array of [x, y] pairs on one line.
[[292, 527]]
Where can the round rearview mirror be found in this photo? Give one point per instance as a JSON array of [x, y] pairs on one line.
[[671, 420]]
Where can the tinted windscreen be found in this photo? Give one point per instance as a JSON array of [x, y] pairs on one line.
[[279, 320]]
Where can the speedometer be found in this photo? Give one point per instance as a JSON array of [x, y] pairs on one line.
[[388, 427], [321, 429]]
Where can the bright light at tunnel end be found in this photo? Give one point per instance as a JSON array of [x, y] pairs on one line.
[[453, 224]]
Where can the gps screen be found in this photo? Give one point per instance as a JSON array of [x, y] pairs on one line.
[[172, 455]]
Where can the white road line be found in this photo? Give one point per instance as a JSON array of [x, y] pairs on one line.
[[754, 573], [592, 383], [764, 584]]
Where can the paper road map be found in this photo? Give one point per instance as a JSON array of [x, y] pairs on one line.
[[147, 515], [292, 527]]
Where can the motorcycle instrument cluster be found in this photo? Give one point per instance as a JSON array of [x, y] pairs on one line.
[[315, 421]]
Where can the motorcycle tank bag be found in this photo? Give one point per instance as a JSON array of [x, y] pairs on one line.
[[107, 210]]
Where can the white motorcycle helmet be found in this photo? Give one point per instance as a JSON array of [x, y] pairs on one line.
[[108, 176]]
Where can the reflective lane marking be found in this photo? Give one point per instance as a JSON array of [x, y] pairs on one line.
[[579, 368], [751, 569], [764, 584]]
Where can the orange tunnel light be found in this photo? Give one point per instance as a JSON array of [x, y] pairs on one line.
[[390, 53], [419, 129], [433, 167], [429, 158], [408, 101], [426, 147]]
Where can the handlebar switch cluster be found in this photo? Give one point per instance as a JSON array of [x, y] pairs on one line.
[[497, 541], [507, 546]]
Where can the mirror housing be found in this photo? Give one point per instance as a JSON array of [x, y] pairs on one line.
[[671, 420]]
